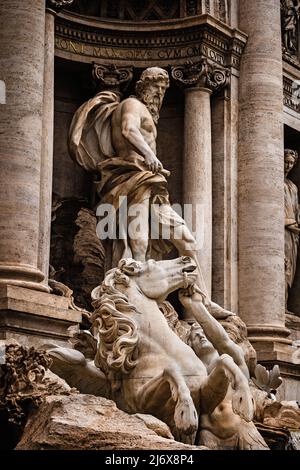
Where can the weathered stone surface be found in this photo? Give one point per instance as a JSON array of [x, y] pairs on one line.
[[261, 297], [22, 33], [282, 415], [85, 422], [160, 428]]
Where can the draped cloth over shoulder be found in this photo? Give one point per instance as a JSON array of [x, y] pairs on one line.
[[292, 214], [90, 131]]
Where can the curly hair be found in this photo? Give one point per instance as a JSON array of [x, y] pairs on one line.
[[112, 323], [291, 153], [149, 75]]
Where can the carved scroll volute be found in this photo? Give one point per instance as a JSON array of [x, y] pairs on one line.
[[201, 74], [56, 5], [111, 77]]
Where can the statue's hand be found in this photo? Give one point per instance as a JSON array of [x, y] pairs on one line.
[[185, 297], [153, 164]]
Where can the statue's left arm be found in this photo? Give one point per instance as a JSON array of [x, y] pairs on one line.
[[213, 330]]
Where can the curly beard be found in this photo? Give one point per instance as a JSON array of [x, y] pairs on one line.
[[153, 104]]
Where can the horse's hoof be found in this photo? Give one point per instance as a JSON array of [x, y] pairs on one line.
[[186, 417]]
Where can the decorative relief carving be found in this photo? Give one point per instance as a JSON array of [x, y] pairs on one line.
[[290, 10], [58, 5], [202, 74], [130, 10], [191, 8], [22, 379], [291, 89], [128, 48], [109, 77]]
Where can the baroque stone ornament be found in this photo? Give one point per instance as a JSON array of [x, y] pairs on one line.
[[111, 77], [22, 379], [201, 74], [57, 5], [290, 10]]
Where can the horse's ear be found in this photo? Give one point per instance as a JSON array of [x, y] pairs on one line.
[[130, 266]]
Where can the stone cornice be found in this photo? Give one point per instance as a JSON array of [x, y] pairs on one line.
[[164, 43], [201, 74]]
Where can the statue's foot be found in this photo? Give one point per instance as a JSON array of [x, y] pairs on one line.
[[186, 417]]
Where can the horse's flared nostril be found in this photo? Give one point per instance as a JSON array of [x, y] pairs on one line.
[[186, 259]]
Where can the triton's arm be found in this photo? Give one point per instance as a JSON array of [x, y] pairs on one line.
[[214, 332]]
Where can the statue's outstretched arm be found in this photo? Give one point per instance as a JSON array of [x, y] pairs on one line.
[[213, 330]]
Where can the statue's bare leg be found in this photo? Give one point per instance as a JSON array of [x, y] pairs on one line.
[[185, 244], [151, 395], [139, 235]]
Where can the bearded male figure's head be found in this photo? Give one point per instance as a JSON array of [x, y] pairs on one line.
[[151, 88]]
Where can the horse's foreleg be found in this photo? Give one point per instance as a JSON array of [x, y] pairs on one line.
[[215, 388], [152, 393]]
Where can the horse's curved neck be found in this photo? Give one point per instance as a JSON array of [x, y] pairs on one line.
[[136, 297]]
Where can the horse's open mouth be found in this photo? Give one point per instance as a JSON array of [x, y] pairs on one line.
[[189, 269]]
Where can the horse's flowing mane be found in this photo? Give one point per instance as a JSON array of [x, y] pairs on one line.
[[112, 323]]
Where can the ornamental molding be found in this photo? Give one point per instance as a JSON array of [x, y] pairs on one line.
[[124, 45], [201, 74], [110, 77], [291, 94]]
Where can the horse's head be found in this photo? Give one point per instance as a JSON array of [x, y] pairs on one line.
[[157, 279]]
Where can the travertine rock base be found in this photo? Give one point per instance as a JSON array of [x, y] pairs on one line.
[[85, 422]]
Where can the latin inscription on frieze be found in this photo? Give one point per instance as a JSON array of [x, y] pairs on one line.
[[128, 55]]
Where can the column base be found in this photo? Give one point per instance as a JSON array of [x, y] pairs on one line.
[[269, 334], [22, 275], [34, 318]]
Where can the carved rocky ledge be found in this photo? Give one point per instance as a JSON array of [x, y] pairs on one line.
[[111, 77], [201, 74], [25, 380]]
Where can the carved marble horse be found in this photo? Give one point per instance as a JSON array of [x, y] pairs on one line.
[[149, 368]]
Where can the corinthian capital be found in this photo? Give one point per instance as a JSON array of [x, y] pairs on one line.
[[57, 5], [109, 77], [201, 74]]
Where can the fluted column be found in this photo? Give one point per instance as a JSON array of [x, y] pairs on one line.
[[47, 146], [200, 80], [261, 189], [22, 32]]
